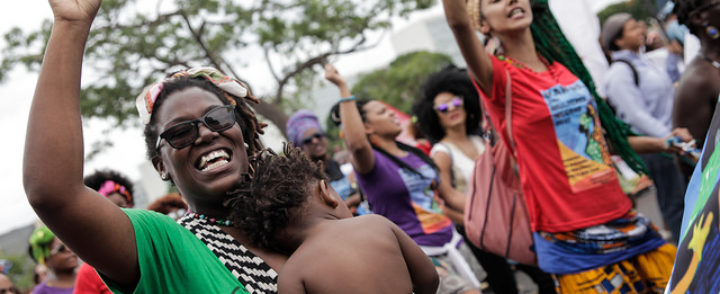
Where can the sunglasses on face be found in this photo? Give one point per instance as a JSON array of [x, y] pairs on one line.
[[445, 107], [58, 249], [11, 290], [309, 139], [185, 133]]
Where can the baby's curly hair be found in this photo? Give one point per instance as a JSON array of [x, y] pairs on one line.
[[269, 200]]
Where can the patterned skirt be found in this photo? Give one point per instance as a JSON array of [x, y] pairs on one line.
[[625, 255]]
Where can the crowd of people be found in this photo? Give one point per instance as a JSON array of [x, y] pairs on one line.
[[386, 215]]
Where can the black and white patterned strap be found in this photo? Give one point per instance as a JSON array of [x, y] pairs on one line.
[[249, 269]]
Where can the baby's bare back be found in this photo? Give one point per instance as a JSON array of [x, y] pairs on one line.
[[357, 255]]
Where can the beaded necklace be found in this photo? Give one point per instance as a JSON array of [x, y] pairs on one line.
[[520, 65], [212, 220]]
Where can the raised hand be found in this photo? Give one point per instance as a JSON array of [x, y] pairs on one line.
[[332, 75], [75, 10]]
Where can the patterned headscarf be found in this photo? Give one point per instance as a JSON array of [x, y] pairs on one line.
[[110, 187], [298, 123], [40, 242], [146, 100]]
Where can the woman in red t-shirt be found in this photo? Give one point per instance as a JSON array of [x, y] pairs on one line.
[[584, 229]]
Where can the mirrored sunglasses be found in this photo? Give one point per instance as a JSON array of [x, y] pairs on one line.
[[445, 107], [185, 133]]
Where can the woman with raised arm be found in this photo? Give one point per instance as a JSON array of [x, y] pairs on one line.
[[199, 132], [401, 184], [584, 229], [448, 112]]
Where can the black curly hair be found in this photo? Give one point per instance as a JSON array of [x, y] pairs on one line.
[[267, 202], [684, 10], [99, 177], [457, 82], [245, 116]]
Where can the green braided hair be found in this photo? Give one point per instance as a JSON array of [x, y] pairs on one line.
[[553, 46], [40, 242]]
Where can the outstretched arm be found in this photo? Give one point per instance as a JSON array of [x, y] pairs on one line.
[[97, 230], [478, 62], [356, 140], [422, 271]]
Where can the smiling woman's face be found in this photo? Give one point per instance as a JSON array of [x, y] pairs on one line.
[[214, 163], [505, 16]]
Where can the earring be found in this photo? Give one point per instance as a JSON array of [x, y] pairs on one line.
[[712, 31], [246, 145], [164, 176]]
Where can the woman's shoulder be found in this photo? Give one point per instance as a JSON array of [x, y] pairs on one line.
[[440, 147]]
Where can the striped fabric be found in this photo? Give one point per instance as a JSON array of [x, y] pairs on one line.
[[250, 270]]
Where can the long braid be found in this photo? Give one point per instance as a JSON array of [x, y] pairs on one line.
[[553, 46], [254, 128]]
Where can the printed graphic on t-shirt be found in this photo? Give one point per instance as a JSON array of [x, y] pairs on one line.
[[422, 196], [581, 143]]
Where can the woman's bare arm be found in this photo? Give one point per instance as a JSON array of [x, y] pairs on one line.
[[97, 230], [478, 62], [454, 199], [356, 141]]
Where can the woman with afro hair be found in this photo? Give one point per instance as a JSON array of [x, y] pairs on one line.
[[449, 114]]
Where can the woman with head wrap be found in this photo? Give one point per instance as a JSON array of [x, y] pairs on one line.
[[305, 132], [585, 232], [48, 250], [200, 132]]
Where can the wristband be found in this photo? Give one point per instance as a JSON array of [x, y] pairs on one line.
[[351, 98]]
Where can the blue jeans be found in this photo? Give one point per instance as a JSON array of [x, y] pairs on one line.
[[670, 185]]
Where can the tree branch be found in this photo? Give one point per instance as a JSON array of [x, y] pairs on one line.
[[198, 39], [313, 61], [266, 51]]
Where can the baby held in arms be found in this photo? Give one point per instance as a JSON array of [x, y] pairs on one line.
[[287, 205]]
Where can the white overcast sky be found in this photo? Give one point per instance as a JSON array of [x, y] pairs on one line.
[[128, 151]]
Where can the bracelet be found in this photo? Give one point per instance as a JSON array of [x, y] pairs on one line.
[[351, 98]]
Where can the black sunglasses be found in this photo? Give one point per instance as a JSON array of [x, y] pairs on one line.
[[310, 138], [58, 249], [185, 133], [11, 290]]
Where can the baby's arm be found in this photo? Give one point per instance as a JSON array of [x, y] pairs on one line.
[[422, 271], [290, 281]]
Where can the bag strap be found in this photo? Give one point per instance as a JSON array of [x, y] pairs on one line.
[[508, 111], [632, 68]]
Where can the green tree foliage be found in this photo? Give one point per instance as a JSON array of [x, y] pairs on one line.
[[398, 85], [639, 9], [132, 45]]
